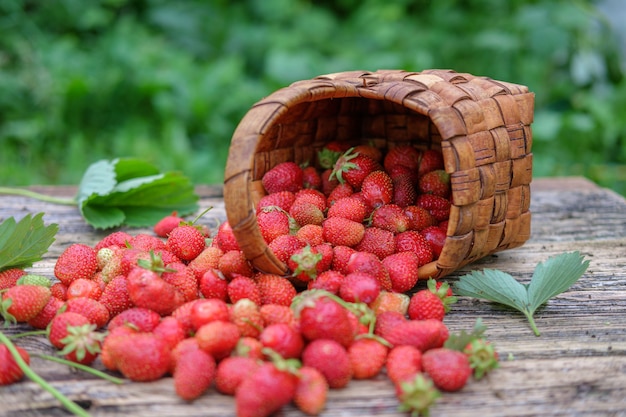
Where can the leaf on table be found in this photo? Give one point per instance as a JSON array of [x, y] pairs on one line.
[[131, 191], [25, 242]]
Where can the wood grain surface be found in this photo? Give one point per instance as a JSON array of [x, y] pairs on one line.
[[577, 367]]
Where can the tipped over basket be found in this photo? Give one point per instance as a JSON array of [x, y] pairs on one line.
[[481, 126]]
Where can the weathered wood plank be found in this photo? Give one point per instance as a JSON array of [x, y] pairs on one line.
[[577, 367]]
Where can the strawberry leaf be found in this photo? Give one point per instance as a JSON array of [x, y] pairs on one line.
[[550, 278], [25, 242], [132, 192]]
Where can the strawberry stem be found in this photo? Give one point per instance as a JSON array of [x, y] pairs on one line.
[[33, 376], [82, 367], [531, 321], [38, 196], [26, 334]]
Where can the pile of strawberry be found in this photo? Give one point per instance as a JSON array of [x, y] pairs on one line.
[[180, 303]]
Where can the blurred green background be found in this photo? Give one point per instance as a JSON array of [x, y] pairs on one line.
[[168, 81]]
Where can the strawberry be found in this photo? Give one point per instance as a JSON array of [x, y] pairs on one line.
[[359, 287], [403, 363], [367, 357], [419, 218], [340, 191], [118, 239], [182, 278], [311, 234], [436, 237], [281, 199], [449, 369], [402, 268], [339, 231], [186, 345], [23, 302], [282, 339], [146, 242], [284, 246], [328, 280], [147, 290], [207, 259], [58, 330], [82, 287], [369, 263], [311, 178], [142, 357], [331, 359], [328, 183], [322, 317], [435, 182], [353, 167], [390, 217], [218, 338], [231, 371], [390, 301], [246, 315], [275, 289], [416, 395], [9, 277], [241, 287], [341, 257], [45, 316], [225, 238], [304, 212], [386, 321], [183, 315], [378, 241], [82, 344], [349, 208], [273, 222], [303, 263], [423, 334], [370, 150], [402, 155], [286, 176], [142, 319], [437, 206], [314, 197], [250, 347], [311, 391], [10, 371], [186, 242], [213, 284], [115, 296], [94, 310], [377, 189], [404, 193], [194, 373], [76, 261], [426, 305], [275, 314], [430, 160], [207, 310], [265, 391], [412, 241], [171, 330], [164, 226], [482, 357]]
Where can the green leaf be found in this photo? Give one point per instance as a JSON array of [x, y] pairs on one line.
[[132, 192], [493, 285], [460, 340], [25, 242]]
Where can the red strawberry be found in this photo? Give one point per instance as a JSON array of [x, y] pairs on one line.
[[213, 284], [430, 160], [182, 278], [167, 224], [311, 178], [341, 257], [273, 222], [402, 155], [207, 259], [416, 395], [283, 339], [218, 338], [250, 347], [359, 287], [449, 369], [207, 310], [45, 316], [94, 310], [329, 182], [404, 193], [331, 359], [403, 363], [264, 392], [82, 287], [115, 296], [386, 321], [353, 167], [435, 182], [304, 212], [311, 234], [275, 289], [142, 357], [378, 241], [349, 208], [194, 373], [367, 357], [10, 372], [82, 344], [482, 357], [284, 246], [9, 277], [286, 176], [246, 315], [146, 242], [281, 199], [23, 302], [183, 315], [118, 239], [340, 191], [59, 290], [390, 301], [342, 232], [241, 287], [170, 330], [328, 280], [60, 325], [225, 238], [276, 313], [426, 305], [436, 236], [186, 242], [369, 263], [77, 261], [314, 197], [437, 206], [311, 392], [377, 189], [390, 217], [323, 318], [142, 319], [402, 268], [419, 218], [423, 334], [147, 290], [304, 263], [231, 371], [412, 241]]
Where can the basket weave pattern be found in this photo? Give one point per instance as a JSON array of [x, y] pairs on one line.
[[482, 127]]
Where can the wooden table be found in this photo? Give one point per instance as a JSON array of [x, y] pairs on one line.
[[577, 367]]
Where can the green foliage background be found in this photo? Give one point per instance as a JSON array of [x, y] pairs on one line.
[[168, 81]]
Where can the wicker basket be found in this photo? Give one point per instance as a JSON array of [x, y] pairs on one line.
[[482, 127]]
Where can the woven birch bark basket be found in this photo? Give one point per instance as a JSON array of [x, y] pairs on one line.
[[481, 126]]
